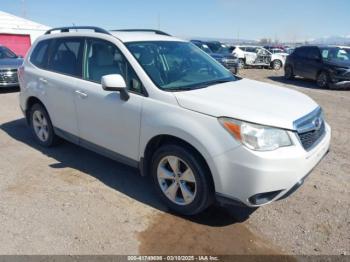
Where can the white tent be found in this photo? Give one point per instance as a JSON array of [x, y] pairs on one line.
[[11, 24]]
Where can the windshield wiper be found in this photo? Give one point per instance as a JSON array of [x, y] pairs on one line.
[[221, 81]]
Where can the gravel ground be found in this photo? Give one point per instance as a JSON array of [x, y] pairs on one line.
[[67, 200]]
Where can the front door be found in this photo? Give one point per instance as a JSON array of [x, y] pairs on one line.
[[106, 121]]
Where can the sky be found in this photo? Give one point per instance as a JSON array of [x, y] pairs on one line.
[[288, 20]]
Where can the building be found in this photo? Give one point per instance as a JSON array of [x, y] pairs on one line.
[[18, 33]]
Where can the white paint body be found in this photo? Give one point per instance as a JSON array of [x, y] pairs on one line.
[[126, 127], [251, 57]]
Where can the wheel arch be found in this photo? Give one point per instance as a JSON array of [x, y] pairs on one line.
[[162, 139], [32, 100]]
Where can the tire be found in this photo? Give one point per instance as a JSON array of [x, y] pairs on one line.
[[187, 193], [241, 63], [276, 64], [288, 72], [322, 80], [41, 126]]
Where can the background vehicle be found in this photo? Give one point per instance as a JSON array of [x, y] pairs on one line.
[[158, 103], [258, 56], [9, 63], [328, 65], [220, 52]]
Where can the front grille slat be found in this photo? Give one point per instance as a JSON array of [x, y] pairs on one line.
[[310, 138], [310, 128], [8, 76]]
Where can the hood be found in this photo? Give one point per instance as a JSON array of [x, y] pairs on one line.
[[249, 100], [220, 56], [10, 63], [343, 64]]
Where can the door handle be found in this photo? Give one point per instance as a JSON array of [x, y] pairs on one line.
[[81, 94], [43, 80]]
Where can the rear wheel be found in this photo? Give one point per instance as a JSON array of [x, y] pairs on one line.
[[322, 80], [41, 126], [181, 180], [241, 63], [276, 64], [288, 72]]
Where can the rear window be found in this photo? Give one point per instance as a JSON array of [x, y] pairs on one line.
[[301, 52], [39, 54], [66, 56]]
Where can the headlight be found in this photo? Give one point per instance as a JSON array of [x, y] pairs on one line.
[[256, 137]]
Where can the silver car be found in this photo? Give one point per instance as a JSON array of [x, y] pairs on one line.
[[9, 63]]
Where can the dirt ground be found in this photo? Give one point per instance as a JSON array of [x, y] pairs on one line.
[[67, 200]]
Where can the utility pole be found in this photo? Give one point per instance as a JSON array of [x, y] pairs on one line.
[[23, 9], [158, 21]]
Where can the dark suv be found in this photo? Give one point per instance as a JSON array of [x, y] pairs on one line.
[[220, 52], [328, 65]]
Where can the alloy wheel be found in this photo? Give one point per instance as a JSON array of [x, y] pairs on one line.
[[40, 126], [322, 80], [176, 180]]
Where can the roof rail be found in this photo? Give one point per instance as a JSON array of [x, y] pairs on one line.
[[67, 28], [158, 32]]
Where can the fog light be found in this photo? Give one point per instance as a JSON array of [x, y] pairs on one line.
[[263, 198]]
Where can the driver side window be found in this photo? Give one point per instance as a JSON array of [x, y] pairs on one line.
[[104, 58]]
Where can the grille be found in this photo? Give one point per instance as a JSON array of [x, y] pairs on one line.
[[308, 139], [310, 128], [8, 76]]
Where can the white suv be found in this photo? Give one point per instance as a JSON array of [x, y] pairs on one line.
[[258, 56], [161, 104]]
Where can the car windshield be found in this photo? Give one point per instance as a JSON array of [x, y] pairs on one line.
[[178, 66], [219, 48], [336, 54], [6, 53]]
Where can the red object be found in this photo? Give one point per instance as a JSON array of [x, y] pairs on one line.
[[19, 44]]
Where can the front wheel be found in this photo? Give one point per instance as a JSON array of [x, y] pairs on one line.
[[322, 80], [181, 180], [288, 72]]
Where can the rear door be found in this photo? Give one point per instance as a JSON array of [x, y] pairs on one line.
[[64, 68], [300, 61], [314, 62]]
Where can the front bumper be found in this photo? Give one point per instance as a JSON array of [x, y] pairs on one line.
[[8, 78], [257, 178]]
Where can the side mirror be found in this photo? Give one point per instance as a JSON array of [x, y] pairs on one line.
[[117, 83]]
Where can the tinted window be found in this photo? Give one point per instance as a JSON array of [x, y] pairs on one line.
[[66, 56], [301, 52], [39, 54], [336, 54], [313, 53], [104, 58]]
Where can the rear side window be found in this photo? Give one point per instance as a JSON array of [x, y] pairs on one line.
[[314, 53], [39, 54], [66, 56], [301, 52]]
